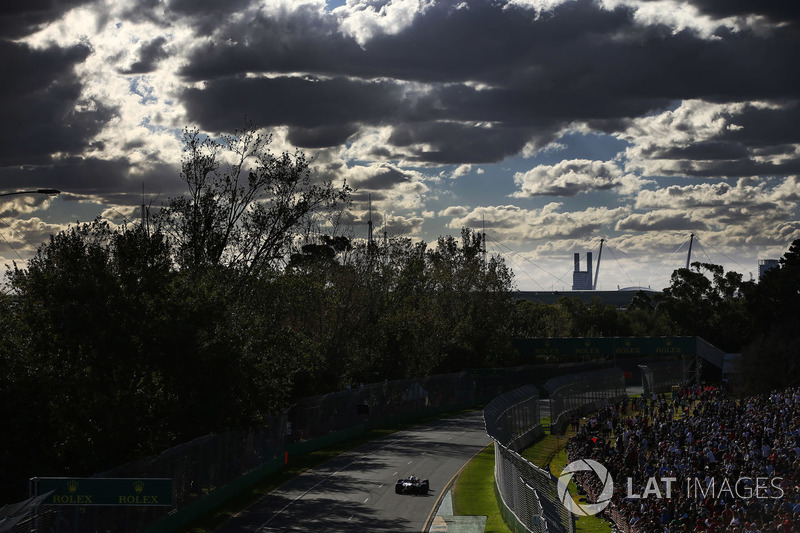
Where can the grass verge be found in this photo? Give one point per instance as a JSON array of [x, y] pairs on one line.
[[549, 453], [473, 492]]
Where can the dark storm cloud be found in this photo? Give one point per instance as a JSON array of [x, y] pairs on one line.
[[483, 61], [711, 150], [578, 48], [364, 196], [776, 11], [483, 42], [37, 104], [149, 55], [727, 159], [23, 17], [321, 137], [307, 103], [386, 179], [660, 222], [759, 126], [109, 180], [460, 143], [206, 15]]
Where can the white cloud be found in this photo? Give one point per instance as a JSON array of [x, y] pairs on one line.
[[146, 122], [24, 236], [14, 206], [399, 225], [514, 223], [539, 6], [678, 15], [572, 177], [393, 189], [462, 170], [454, 211], [364, 20]]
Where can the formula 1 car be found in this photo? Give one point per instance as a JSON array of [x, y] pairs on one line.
[[412, 485]]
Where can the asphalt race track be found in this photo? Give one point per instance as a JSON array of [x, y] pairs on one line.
[[355, 491]]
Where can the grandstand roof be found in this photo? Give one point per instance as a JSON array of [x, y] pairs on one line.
[[621, 347], [618, 299]]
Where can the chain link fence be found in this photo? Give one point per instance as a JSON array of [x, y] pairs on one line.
[[513, 418], [197, 468], [379, 404], [528, 493], [26, 516], [582, 393], [209, 469]]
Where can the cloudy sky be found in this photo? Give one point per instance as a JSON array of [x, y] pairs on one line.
[[553, 122]]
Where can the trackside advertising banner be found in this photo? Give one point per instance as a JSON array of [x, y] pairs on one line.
[[105, 491]]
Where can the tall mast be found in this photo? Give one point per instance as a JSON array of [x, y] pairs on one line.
[[385, 240], [369, 222], [144, 211], [597, 268], [689, 257], [483, 240]]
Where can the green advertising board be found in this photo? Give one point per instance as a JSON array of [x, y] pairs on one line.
[[608, 346], [105, 491]]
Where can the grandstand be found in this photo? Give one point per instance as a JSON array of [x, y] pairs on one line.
[[620, 299], [734, 464]]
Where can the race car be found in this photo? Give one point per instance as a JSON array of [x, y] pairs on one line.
[[412, 485]]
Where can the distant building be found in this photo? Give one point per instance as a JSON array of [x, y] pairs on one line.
[[764, 265], [582, 279]]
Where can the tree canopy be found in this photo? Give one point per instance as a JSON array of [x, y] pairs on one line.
[[245, 295]]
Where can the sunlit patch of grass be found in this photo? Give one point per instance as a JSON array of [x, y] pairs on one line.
[[473, 492]]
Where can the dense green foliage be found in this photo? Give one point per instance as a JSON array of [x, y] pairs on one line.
[[120, 342], [116, 343]]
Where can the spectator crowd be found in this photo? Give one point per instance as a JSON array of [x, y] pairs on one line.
[[735, 462]]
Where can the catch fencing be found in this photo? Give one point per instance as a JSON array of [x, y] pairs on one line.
[[27, 516], [211, 469], [661, 376], [380, 404], [198, 468], [577, 394], [528, 493]]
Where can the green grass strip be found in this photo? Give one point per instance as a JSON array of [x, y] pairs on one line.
[[473, 492]]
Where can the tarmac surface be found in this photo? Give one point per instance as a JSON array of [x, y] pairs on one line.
[[355, 491]]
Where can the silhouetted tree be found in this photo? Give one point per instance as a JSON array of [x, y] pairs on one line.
[[245, 205]]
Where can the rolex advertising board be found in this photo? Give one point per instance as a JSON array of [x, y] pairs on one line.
[[105, 491]]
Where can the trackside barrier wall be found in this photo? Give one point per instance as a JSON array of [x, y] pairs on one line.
[[209, 470], [582, 393], [528, 493]]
